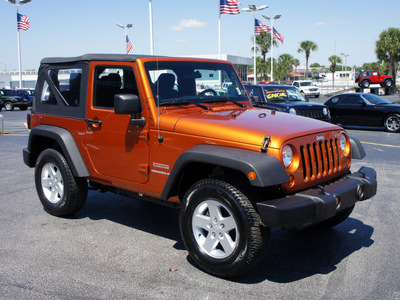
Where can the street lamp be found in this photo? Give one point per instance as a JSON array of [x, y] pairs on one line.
[[272, 42], [125, 29], [254, 9], [17, 4], [344, 57]]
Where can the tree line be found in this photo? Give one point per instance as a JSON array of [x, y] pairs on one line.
[[387, 49]]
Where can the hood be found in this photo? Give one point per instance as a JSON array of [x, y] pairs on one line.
[[295, 104], [248, 126]]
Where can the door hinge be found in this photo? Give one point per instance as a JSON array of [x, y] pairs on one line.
[[144, 169]]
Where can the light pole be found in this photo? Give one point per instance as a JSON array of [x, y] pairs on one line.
[[344, 57], [272, 42], [254, 9], [125, 29], [17, 4]]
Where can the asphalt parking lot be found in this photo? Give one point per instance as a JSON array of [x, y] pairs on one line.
[[121, 248]]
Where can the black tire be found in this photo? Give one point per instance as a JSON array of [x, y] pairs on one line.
[[365, 84], [388, 83], [8, 106], [23, 107], [60, 192], [221, 229], [392, 123], [316, 96], [336, 220]]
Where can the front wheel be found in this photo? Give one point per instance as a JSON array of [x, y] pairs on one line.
[[8, 106], [388, 83], [60, 192], [221, 229], [392, 123]]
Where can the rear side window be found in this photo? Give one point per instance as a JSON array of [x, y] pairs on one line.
[[110, 81], [62, 87]]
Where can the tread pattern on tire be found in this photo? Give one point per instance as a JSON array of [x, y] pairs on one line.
[[75, 188], [257, 236]]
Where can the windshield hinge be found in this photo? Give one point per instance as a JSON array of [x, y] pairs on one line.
[[265, 143]]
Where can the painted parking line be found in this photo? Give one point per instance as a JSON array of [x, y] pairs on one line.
[[384, 145]]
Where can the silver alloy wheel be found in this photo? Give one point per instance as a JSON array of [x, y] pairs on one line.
[[392, 123], [52, 183], [8, 106], [215, 229], [388, 83]]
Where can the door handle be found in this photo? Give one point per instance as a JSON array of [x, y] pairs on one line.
[[93, 122]]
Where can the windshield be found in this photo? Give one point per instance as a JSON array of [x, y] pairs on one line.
[[375, 99], [183, 83], [306, 83], [282, 94]]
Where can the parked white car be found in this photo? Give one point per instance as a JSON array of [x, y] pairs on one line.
[[307, 88]]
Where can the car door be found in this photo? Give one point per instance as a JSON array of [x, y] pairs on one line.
[[351, 110], [117, 149], [375, 77]]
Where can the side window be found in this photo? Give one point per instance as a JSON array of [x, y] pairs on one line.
[[62, 84], [112, 80], [254, 92], [296, 84], [352, 99], [374, 73], [164, 84]]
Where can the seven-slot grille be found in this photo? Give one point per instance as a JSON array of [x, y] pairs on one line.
[[314, 112], [320, 159]]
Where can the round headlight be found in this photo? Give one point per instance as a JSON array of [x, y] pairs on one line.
[[292, 111], [325, 111], [342, 142], [287, 155]]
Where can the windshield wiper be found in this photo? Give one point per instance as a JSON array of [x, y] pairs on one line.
[[179, 102], [224, 100]]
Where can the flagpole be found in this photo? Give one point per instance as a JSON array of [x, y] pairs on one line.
[[19, 53], [219, 32], [151, 28], [272, 50]]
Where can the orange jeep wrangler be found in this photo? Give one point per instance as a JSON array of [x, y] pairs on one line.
[[182, 132]]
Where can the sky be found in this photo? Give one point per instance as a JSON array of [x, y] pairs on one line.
[[190, 27]]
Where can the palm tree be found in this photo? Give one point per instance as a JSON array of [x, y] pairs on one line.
[[388, 49], [307, 47], [296, 63], [263, 43], [284, 66], [334, 60]]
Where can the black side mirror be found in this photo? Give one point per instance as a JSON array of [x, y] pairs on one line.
[[129, 104]]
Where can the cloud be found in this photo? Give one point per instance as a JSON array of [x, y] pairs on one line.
[[184, 23], [320, 24]]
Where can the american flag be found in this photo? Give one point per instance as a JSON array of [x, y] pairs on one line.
[[277, 35], [23, 22], [128, 45], [229, 7], [260, 27]]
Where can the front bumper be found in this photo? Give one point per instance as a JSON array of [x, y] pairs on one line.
[[321, 203]]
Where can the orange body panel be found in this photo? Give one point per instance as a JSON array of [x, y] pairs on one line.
[[132, 158]]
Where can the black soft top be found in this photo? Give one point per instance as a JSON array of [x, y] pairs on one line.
[[90, 57]]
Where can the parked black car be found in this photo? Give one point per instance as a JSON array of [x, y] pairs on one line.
[[286, 98], [362, 109], [9, 99]]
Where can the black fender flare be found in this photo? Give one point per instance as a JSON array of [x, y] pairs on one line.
[[357, 149], [67, 143], [268, 169]]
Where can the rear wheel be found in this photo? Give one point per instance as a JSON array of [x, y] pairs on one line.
[[60, 192], [221, 229], [365, 83], [23, 107], [392, 123]]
